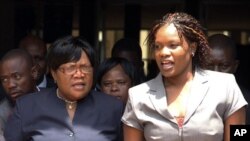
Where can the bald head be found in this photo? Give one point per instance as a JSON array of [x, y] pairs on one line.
[[31, 40], [131, 50], [223, 42], [223, 54], [18, 54], [37, 48]]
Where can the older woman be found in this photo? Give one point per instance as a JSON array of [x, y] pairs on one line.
[[115, 76], [72, 111]]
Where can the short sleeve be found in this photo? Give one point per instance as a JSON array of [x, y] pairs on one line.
[[235, 98], [129, 117]]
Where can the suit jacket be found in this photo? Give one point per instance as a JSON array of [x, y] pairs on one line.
[[214, 96], [5, 112], [48, 82], [43, 117]]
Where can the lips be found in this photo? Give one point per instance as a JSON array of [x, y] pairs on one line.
[[78, 85], [166, 65], [15, 95]]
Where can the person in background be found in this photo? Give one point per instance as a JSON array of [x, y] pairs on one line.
[[183, 102], [18, 75], [223, 58], [223, 54], [37, 48], [73, 110], [2, 93], [115, 76], [152, 68], [131, 50]]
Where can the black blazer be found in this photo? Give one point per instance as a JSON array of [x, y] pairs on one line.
[[42, 116], [50, 82]]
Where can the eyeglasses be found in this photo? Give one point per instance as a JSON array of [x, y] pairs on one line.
[[73, 68]]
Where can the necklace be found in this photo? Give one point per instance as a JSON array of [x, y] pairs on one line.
[[70, 104]]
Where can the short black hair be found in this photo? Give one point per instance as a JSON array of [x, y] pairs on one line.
[[69, 49], [16, 53], [110, 63]]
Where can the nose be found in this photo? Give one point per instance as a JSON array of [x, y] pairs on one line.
[[11, 84], [165, 51], [114, 87]]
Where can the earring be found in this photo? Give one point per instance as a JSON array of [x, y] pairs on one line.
[[193, 53]]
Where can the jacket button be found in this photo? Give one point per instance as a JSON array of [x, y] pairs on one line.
[[71, 134]]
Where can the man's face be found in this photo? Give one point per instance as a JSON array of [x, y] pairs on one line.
[[16, 77], [221, 60], [38, 54]]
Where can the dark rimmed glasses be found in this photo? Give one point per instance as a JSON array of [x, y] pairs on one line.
[[72, 69]]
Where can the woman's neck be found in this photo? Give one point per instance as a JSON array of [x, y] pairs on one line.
[[179, 80]]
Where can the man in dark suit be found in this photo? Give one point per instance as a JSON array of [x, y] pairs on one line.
[[37, 48], [18, 77]]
